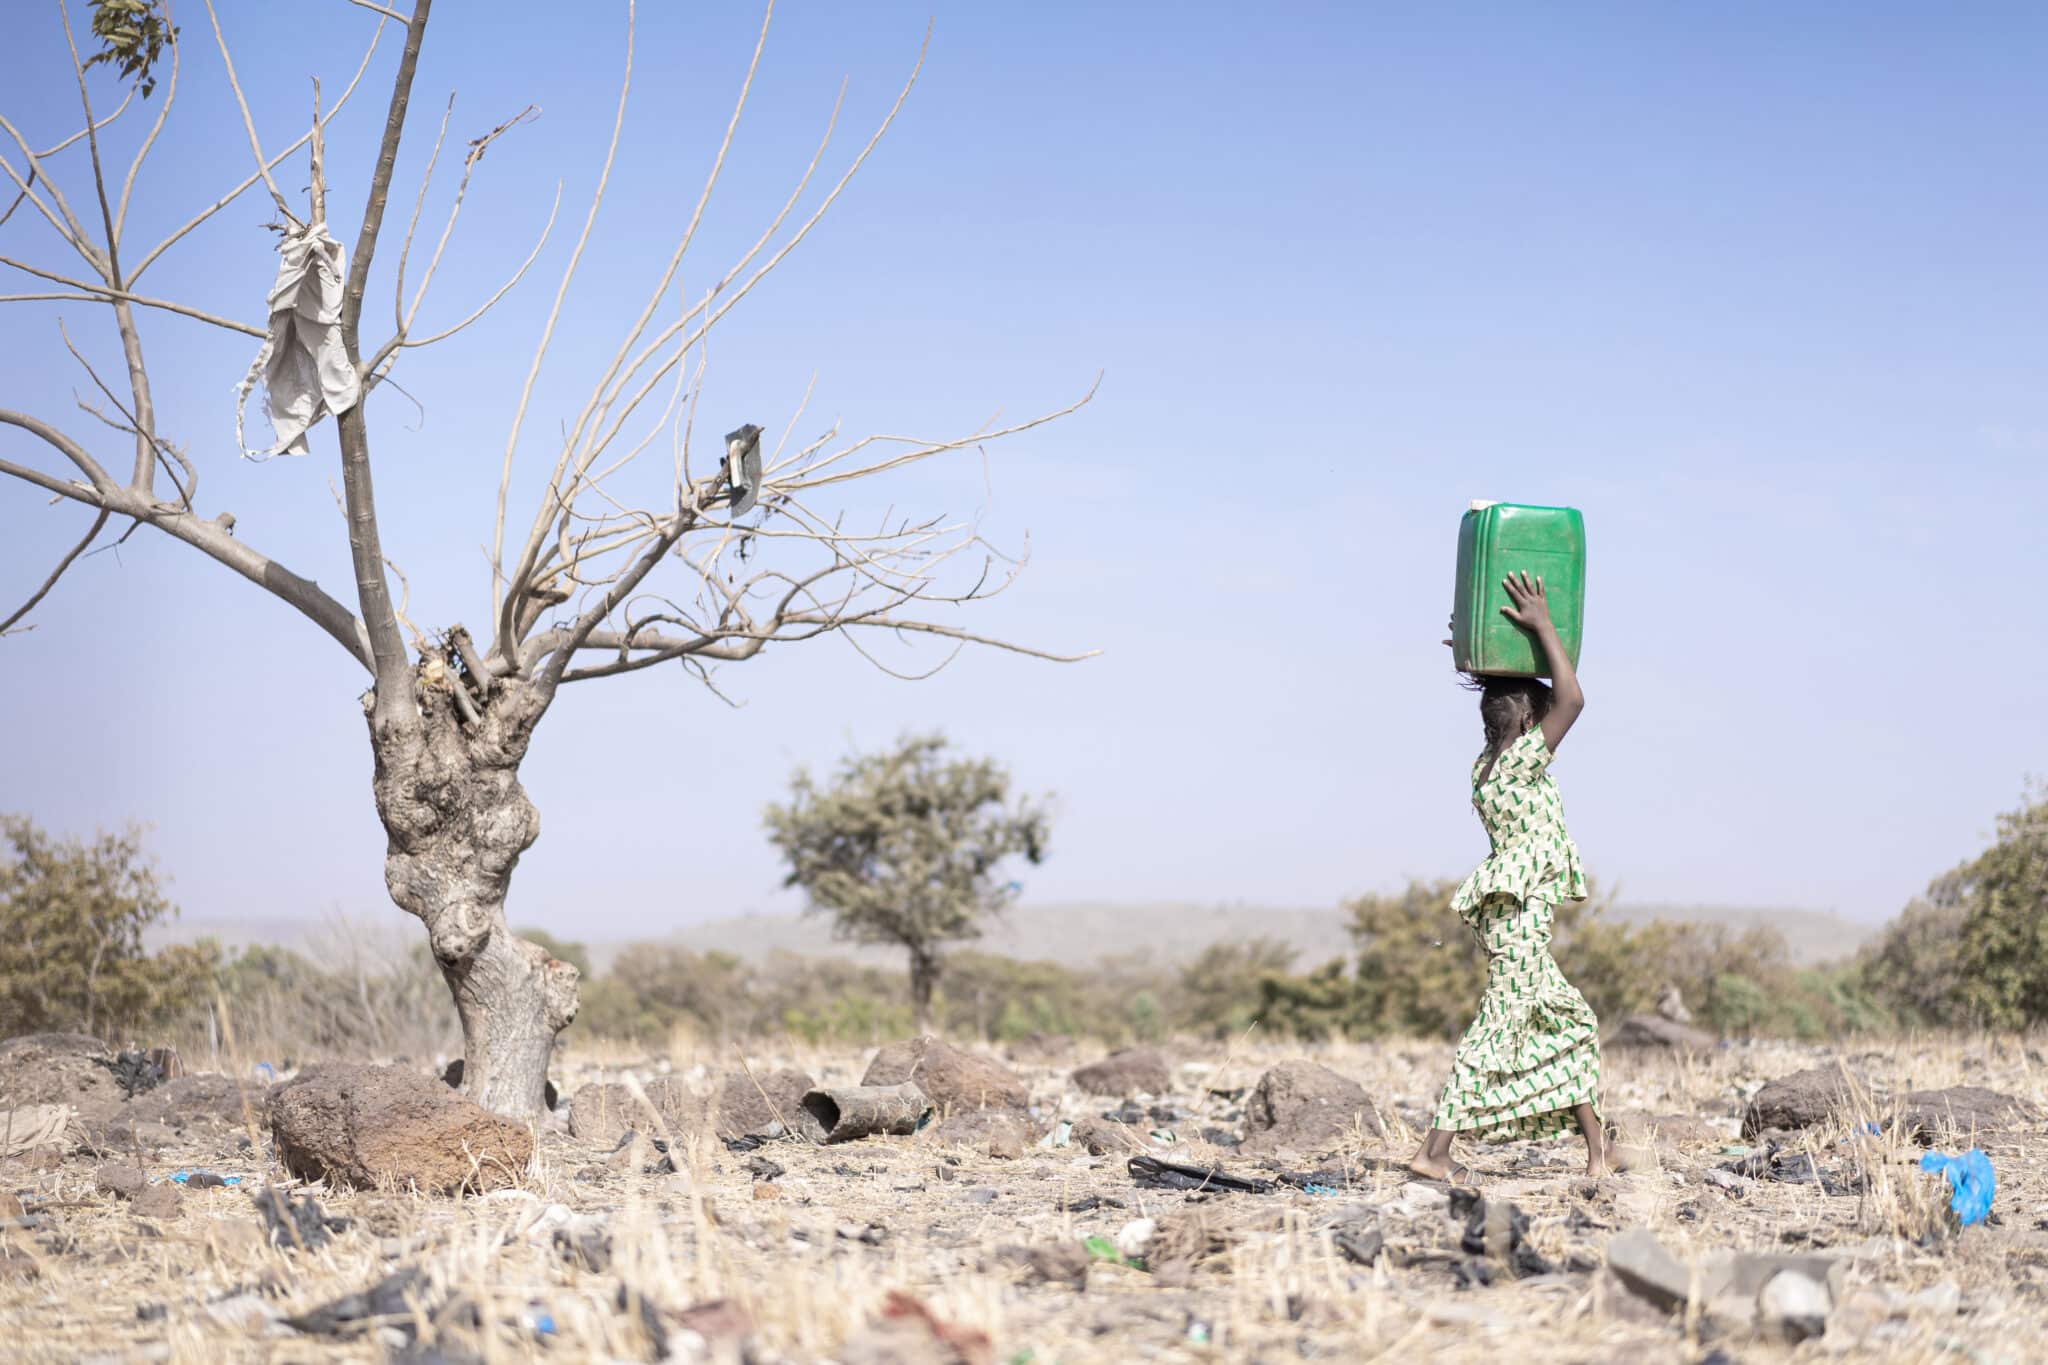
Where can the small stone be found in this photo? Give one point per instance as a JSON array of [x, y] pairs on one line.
[[984, 1195], [1061, 1263], [160, 1202], [1793, 1307], [10, 1207], [764, 1168], [1800, 1100], [120, 1180], [1005, 1147], [1301, 1106], [1649, 1271], [766, 1193]]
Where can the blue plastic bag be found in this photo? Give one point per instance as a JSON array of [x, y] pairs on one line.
[[1971, 1182]]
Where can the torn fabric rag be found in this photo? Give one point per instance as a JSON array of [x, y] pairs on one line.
[[303, 366]]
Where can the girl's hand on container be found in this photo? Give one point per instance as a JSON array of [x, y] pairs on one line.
[[1531, 609]]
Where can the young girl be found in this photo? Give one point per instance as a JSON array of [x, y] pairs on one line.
[[1529, 1066]]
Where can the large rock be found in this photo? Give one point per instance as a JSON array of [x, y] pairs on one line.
[[1803, 1099], [385, 1126], [603, 1112], [1655, 1031], [59, 1068], [1306, 1108], [743, 1112], [1133, 1071], [1967, 1110], [954, 1080]]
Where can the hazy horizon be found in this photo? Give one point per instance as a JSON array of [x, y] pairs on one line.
[[1760, 292]]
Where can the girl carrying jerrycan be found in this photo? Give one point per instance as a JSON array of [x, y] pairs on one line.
[[1529, 1065]]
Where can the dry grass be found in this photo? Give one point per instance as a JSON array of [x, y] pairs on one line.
[[1254, 1277]]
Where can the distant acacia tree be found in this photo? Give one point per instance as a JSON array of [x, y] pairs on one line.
[[72, 914], [902, 848], [600, 562]]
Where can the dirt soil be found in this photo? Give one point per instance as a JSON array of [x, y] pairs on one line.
[[906, 1249]]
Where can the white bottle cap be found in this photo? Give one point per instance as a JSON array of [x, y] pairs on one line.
[[1481, 504]]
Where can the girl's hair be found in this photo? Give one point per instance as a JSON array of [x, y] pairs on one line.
[[1508, 707]]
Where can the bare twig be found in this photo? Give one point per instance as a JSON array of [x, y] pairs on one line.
[[248, 122], [98, 522], [108, 294]]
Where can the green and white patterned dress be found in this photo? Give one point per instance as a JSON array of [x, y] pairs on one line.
[[1533, 1054]]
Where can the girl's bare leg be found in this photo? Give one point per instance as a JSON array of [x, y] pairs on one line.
[[1596, 1140]]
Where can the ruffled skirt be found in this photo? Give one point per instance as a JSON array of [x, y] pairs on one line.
[[1533, 1053]]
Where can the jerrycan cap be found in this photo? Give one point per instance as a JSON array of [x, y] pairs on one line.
[[1481, 504]]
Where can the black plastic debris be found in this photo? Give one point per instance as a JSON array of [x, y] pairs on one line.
[[135, 1072], [299, 1223], [389, 1301], [765, 1168], [632, 1301], [1152, 1173], [1092, 1202], [750, 1143], [1497, 1230], [1792, 1168], [1360, 1244]]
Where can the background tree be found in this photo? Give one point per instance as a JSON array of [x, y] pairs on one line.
[[72, 915], [902, 848], [2002, 895], [623, 563]]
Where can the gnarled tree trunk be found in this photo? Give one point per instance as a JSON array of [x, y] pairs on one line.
[[447, 790]]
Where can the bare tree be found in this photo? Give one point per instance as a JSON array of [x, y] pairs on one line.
[[700, 563]]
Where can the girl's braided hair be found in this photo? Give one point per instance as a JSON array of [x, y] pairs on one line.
[[1508, 707]]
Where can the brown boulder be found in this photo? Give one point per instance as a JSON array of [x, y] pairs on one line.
[[1133, 1071], [372, 1126], [603, 1112], [1803, 1099], [122, 1179], [953, 1079], [1966, 1110], [160, 1202], [59, 1068], [742, 1112], [1655, 1031], [1306, 1108]]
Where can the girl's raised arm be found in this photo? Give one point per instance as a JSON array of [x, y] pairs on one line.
[[1531, 611]]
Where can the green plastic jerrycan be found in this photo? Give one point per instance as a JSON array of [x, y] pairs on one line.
[[1497, 539]]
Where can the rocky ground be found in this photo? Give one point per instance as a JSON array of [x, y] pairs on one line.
[[1035, 1216]]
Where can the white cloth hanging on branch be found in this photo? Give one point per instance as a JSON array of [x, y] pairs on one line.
[[303, 366]]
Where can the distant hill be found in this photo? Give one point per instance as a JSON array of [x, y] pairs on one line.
[[1077, 934]]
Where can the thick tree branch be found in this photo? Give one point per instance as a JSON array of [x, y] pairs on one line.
[[394, 704]]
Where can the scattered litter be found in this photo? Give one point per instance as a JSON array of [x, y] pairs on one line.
[[1971, 1181], [301, 1222], [1132, 1236], [753, 1142], [202, 1180], [1102, 1249], [1164, 1136], [1089, 1203], [1152, 1173], [1795, 1168], [1062, 1133], [29, 1126], [860, 1111], [392, 1298], [135, 1072], [1361, 1245], [584, 1242], [765, 1169], [867, 1234], [1498, 1230]]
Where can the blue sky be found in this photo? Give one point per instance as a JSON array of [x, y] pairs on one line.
[[1759, 288]]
